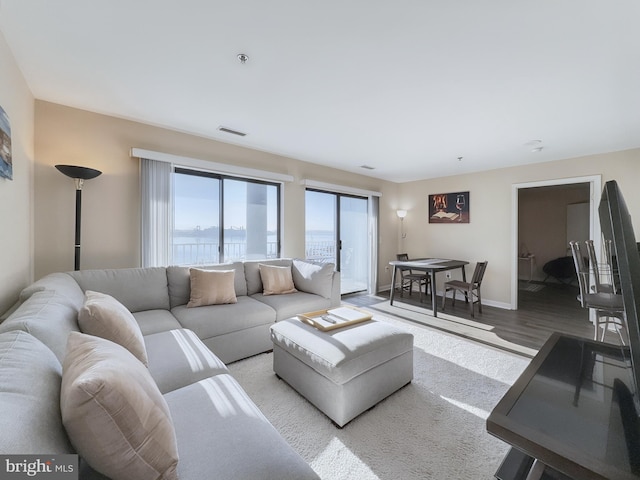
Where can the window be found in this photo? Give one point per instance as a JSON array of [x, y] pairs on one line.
[[337, 231], [247, 210]]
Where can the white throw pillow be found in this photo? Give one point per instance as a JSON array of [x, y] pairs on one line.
[[211, 287], [116, 417], [276, 280], [105, 317]]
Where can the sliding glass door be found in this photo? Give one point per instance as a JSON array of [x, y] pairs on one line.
[[354, 244], [337, 232]]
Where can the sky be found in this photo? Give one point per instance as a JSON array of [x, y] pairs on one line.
[[197, 203]]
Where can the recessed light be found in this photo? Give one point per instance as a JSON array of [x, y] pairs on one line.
[[367, 167]]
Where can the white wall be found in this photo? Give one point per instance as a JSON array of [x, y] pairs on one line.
[[16, 205]]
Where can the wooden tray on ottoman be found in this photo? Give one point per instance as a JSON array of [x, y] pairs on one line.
[[332, 318]]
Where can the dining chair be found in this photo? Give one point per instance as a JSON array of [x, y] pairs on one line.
[[408, 278], [599, 286], [470, 289], [608, 306]]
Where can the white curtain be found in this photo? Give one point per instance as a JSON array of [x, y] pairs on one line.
[[374, 233], [156, 212]]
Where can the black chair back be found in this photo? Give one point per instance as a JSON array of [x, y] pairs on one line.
[[478, 273], [582, 271]]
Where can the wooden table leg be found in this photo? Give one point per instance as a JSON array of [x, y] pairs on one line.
[[464, 279], [434, 302]]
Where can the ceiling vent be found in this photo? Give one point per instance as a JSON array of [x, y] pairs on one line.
[[232, 132], [367, 167]]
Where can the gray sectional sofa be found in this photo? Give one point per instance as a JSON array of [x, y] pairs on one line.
[[219, 432]]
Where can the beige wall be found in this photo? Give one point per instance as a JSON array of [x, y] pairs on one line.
[[488, 235], [111, 220], [16, 205], [111, 202]]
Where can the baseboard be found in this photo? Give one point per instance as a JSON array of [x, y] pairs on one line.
[[487, 302]]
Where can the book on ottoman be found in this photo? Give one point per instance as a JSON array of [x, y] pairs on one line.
[[333, 318]]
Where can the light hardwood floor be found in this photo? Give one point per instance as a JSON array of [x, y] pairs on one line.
[[553, 308]]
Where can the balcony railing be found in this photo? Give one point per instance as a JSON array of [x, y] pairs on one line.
[[324, 252], [205, 253], [199, 253]]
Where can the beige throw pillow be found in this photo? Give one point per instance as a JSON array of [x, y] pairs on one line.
[[113, 412], [211, 287], [276, 280], [105, 317]]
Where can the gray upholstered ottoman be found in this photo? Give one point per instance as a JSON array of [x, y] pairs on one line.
[[345, 371]]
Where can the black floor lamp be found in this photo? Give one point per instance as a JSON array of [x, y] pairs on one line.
[[79, 174]]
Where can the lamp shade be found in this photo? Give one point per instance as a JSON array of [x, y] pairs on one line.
[[401, 213], [75, 171]]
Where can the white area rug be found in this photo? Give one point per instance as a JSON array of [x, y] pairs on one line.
[[434, 428]]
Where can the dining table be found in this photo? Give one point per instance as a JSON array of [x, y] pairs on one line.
[[430, 266]]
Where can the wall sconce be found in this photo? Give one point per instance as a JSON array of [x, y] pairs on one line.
[[401, 214], [79, 174]]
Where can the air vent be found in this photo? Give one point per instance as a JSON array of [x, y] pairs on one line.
[[232, 132], [367, 167]]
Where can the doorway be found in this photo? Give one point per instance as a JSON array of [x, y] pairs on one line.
[[337, 231], [519, 251]]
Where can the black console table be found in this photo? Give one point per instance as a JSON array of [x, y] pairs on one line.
[[571, 415]]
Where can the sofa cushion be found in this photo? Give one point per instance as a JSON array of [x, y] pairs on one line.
[[276, 280], [313, 277], [180, 281], [136, 288], [61, 283], [114, 413], [48, 316], [211, 287], [214, 320], [105, 317], [178, 358], [154, 321], [290, 305], [30, 377], [252, 272], [245, 444]]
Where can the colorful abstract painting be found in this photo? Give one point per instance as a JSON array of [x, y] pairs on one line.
[[6, 165]]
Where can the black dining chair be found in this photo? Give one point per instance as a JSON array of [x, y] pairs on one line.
[[470, 289], [408, 278], [608, 306]]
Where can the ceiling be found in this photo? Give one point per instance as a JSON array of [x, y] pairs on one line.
[[403, 86]]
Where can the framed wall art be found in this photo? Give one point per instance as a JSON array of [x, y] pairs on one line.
[[449, 207], [6, 165]]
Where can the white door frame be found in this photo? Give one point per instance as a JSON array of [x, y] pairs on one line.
[[595, 190]]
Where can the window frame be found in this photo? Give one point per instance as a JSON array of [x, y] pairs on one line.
[[182, 170]]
